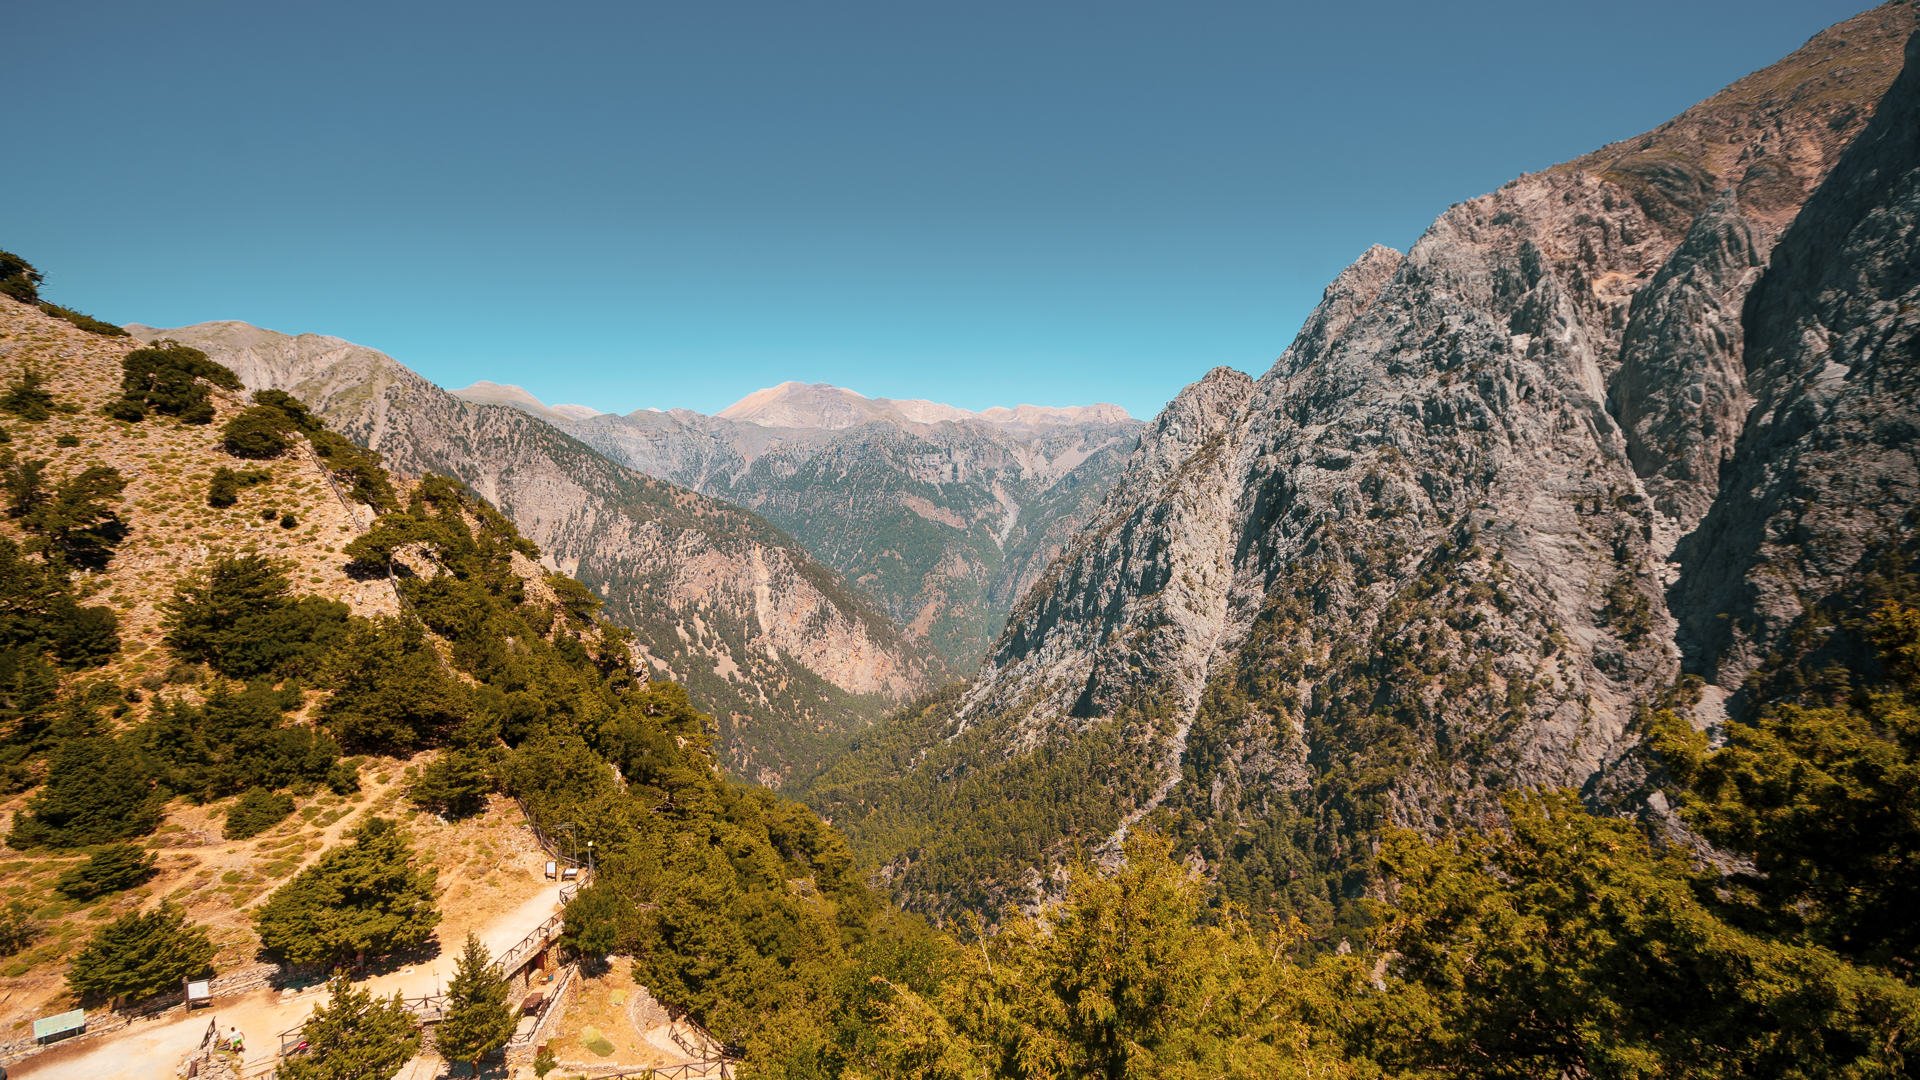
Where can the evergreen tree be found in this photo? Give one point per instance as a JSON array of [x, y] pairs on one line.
[[255, 812], [358, 901], [27, 397], [233, 742], [39, 613], [77, 523], [392, 692], [1566, 945], [25, 482], [478, 1020], [19, 279], [137, 956], [1130, 976], [169, 378], [258, 433], [111, 869], [240, 617], [98, 790], [354, 1036], [1824, 796], [456, 784]]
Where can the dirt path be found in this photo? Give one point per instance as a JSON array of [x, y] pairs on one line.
[[153, 1049]]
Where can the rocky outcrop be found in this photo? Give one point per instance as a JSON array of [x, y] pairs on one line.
[[1826, 475], [942, 516], [1424, 558], [771, 642]]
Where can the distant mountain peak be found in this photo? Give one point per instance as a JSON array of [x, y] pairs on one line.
[[492, 393], [822, 405]]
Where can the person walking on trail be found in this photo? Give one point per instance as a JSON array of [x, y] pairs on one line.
[[236, 1041]]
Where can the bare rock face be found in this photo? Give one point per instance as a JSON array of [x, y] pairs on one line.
[[942, 516], [765, 638], [1425, 557], [1826, 473]]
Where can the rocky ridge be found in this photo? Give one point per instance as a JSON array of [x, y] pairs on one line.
[[942, 516], [764, 637], [1427, 556]]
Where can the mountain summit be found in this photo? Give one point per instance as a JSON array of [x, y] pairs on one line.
[[1600, 439], [820, 405]]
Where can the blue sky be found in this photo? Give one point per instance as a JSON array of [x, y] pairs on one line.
[[657, 205]]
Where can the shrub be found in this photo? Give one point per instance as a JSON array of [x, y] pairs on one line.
[[343, 778], [288, 521], [258, 433], [110, 870], [82, 320], [17, 928], [225, 486], [256, 812]]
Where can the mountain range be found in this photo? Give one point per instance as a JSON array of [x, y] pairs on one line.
[[773, 643], [941, 515], [906, 539], [1610, 436]]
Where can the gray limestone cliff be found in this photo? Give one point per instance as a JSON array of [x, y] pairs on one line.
[[1428, 555]]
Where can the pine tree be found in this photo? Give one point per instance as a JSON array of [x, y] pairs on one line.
[[77, 523], [359, 901], [456, 785], [98, 790], [354, 1036], [111, 869], [241, 618], [478, 1020], [137, 956]]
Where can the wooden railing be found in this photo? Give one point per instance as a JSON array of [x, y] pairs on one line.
[[527, 947], [720, 1069], [549, 1008]]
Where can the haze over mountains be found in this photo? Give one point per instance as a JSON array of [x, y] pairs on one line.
[[943, 516]]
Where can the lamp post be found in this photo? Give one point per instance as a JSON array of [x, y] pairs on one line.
[[589, 858]]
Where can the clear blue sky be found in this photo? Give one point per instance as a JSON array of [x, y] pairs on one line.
[[671, 204]]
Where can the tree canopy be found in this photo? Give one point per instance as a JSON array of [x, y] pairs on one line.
[[353, 1036], [478, 1020], [140, 955], [239, 616], [361, 900]]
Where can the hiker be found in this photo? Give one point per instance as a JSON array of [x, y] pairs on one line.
[[236, 1041]]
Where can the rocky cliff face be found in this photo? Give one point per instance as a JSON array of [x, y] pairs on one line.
[[1826, 473], [942, 516], [1427, 556], [764, 637]]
